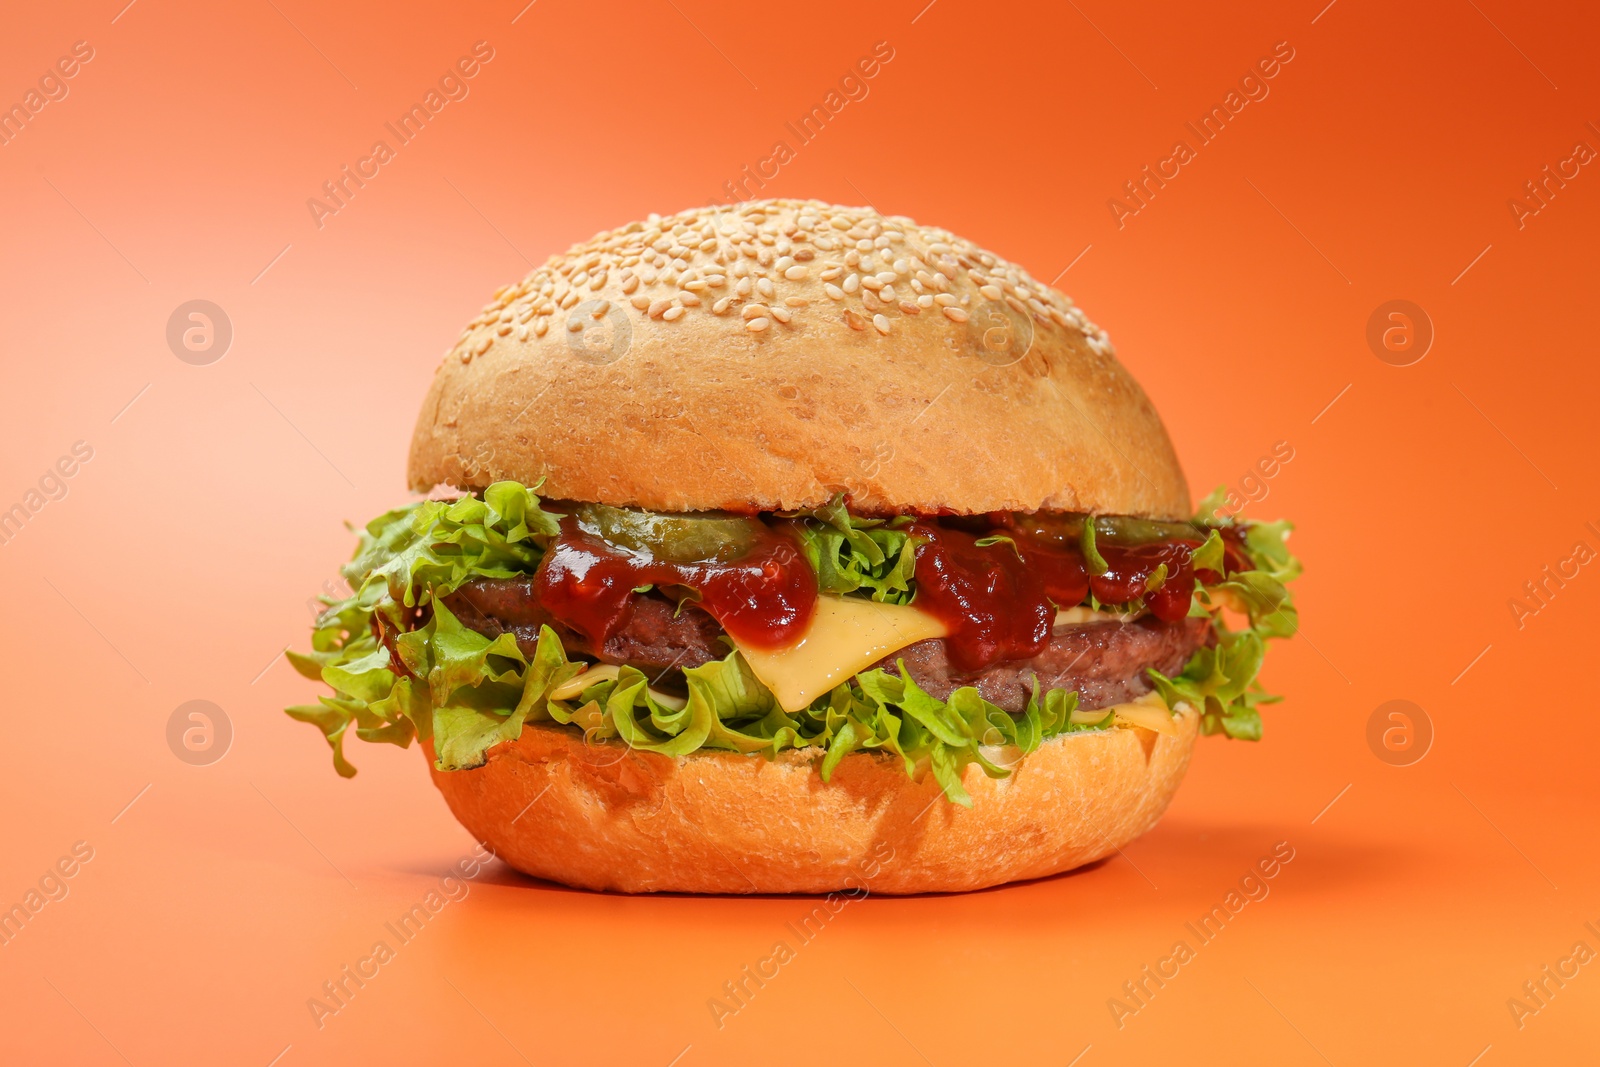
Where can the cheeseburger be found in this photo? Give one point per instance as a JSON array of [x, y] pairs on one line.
[[791, 548]]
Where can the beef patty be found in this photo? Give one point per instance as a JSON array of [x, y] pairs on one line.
[[1104, 662]]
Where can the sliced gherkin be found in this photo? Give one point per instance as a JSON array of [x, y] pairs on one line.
[[675, 538], [1067, 528]]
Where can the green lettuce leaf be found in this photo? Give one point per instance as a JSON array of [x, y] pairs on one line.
[[430, 548], [1221, 682], [850, 554]]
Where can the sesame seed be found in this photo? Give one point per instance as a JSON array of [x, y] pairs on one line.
[[909, 308], [641, 301], [575, 326], [721, 305], [870, 301], [764, 287], [744, 287], [540, 326], [831, 273], [505, 329], [757, 325], [944, 300], [833, 291], [796, 301], [881, 322], [753, 311], [781, 315], [783, 264], [990, 291], [887, 293], [483, 344], [852, 283], [688, 299], [659, 308], [854, 321], [955, 314], [796, 274], [673, 314]]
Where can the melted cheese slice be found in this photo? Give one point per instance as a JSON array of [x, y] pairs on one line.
[[1148, 711], [846, 636]]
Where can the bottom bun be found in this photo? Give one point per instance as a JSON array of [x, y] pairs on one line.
[[605, 816]]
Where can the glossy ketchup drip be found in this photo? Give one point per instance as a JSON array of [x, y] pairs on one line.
[[1058, 568], [999, 606], [992, 604], [764, 598], [1130, 568]]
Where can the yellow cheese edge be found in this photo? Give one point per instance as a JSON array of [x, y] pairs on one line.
[[846, 636], [1149, 711]]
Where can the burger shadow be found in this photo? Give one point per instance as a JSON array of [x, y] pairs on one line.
[[1181, 855]]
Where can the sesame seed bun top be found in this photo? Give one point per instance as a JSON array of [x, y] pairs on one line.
[[773, 354]]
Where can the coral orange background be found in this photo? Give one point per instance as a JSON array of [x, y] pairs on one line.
[[181, 558]]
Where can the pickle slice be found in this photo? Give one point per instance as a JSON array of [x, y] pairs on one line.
[[1067, 528], [710, 537]]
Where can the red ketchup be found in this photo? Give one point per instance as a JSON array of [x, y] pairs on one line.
[[1130, 568], [999, 600], [994, 606], [764, 598]]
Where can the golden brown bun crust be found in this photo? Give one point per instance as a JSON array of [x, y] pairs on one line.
[[963, 385], [607, 817]]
